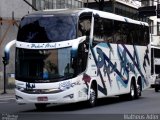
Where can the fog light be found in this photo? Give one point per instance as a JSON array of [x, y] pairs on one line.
[[70, 96], [156, 82], [18, 97]]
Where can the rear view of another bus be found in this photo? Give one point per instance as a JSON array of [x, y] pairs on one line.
[[155, 64]]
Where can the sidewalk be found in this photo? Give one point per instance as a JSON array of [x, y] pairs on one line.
[[10, 93]]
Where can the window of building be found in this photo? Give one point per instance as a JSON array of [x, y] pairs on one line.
[[158, 28], [147, 2], [151, 26], [50, 2], [56, 4], [69, 4], [76, 4]]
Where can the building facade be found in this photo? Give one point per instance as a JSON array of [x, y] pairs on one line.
[[57, 4], [154, 23], [128, 8]]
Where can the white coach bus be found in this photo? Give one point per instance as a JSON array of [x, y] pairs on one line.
[[72, 55]]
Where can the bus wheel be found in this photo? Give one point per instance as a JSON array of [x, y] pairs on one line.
[[137, 91], [132, 92], [93, 96], [40, 106], [156, 89]]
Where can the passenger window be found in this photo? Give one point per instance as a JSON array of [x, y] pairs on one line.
[[98, 30], [103, 30], [120, 32], [117, 32], [108, 30]]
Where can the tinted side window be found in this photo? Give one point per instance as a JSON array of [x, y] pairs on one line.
[[84, 26], [98, 29], [132, 35], [118, 32], [103, 30], [108, 30], [137, 34]]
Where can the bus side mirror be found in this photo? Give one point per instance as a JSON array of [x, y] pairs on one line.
[[87, 39], [96, 16]]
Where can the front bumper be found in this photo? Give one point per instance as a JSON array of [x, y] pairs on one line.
[[67, 96], [157, 83]]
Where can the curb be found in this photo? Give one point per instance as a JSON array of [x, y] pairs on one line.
[[8, 94], [2, 96]]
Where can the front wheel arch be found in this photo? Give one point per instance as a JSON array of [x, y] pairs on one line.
[[133, 92], [93, 93]]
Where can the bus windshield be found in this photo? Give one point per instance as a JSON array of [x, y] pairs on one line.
[[47, 29], [42, 65]]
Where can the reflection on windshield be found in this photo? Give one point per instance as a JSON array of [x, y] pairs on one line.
[[47, 29], [57, 63], [44, 64], [51, 65]]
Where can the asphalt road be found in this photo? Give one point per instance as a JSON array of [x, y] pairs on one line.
[[147, 107]]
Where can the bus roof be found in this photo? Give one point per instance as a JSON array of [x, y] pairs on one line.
[[79, 11]]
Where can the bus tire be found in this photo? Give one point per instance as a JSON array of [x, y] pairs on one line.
[[139, 85], [40, 106], [137, 91], [156, 89], [93, 96], [132, 93]]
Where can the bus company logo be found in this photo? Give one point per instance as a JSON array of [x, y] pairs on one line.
[[75, 83], [48, 45], [43, 46], [37, 46], [65, 85], [30, 85]]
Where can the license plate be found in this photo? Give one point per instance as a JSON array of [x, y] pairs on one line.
[[42, 98]]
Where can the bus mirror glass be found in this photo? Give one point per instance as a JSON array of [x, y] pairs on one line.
[[74, 49], [74, 53]]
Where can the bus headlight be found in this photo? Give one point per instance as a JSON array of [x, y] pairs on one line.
[[20, 88]]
